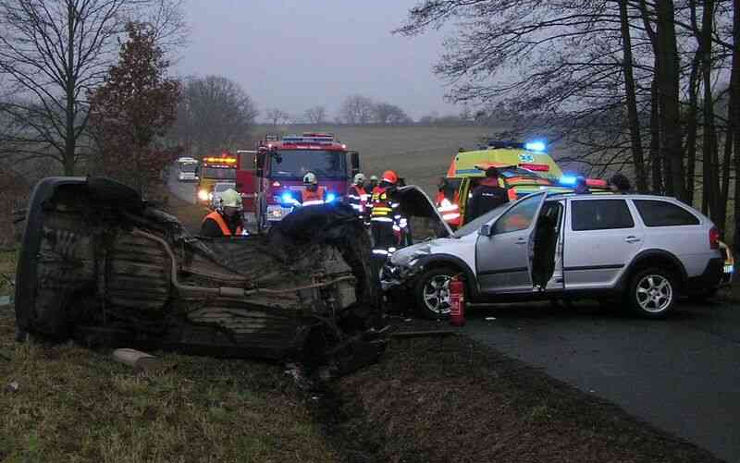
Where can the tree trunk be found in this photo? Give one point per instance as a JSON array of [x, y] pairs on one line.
[[692, 129], [656, 154], [632, 116], [668, 90], [734, 122], [709, 135], [70, 139]]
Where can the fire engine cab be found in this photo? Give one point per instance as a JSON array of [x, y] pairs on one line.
[[270, 178]]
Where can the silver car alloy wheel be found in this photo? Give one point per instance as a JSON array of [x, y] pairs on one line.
[[437, 294], [654, 293]]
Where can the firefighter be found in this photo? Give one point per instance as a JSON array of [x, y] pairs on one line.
[[373, 184], [486, 196], [357, 196], [312, 194], [441, 187], [619, 183], [386, 223], [226, 220], [581, 186]]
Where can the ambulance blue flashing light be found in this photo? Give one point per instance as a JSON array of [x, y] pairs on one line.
[[568, 180], [535, 146], [330, 197]]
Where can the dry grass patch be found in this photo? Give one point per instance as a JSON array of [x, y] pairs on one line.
[[74, 404], [7, 269]]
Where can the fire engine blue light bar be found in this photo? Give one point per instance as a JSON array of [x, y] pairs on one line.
[[535, 146], [287, 198]]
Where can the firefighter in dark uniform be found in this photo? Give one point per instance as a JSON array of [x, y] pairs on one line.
[[386, 223], [225, 220], [486, 196]]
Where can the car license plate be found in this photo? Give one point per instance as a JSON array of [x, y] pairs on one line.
[[278, 212]]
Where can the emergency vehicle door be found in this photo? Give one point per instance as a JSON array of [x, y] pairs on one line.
[[354, 162], [246, 179], [463, 197], [505, 247]]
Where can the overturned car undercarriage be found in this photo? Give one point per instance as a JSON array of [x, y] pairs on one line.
[[102, 267]]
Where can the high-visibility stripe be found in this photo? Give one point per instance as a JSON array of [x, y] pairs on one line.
[[450, 216], [381, 252], [216, 217], [314, 202], [381, 219]]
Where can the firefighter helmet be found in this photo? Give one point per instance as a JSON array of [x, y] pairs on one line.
[[230, 198], [359, 179], [390, 177], [310, 179]]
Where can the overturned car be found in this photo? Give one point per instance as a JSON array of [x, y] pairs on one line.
[[103, 267]]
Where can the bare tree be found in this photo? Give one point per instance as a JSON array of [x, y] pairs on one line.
[[213, 113], [357, 110], [316, 114], [53, 53], [388, 114], [277, 117]]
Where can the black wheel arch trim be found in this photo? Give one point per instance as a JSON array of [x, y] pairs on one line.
[[652, 253], [441, 259]]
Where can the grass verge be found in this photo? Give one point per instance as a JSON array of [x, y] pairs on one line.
[[7, 269], [73, 404]]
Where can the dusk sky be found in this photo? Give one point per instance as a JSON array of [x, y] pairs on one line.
[[294, 54]]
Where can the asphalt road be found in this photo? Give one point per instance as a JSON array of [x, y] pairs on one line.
[[183, 190], [681, 374]]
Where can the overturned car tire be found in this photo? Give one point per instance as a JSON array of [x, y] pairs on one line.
[[100, 265]]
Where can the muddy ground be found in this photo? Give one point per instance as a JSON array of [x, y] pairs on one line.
[[446, 398]]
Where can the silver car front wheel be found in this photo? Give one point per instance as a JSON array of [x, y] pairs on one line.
[[433, 293]]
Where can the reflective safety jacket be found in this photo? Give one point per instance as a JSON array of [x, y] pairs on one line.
[[386, 210], [313, 198], [357, 198], [216, 217]]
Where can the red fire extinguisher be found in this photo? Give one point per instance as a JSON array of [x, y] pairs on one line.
[[457, 301]]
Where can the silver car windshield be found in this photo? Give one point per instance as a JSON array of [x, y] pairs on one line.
[[478, 222]]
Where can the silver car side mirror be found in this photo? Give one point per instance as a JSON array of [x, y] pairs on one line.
[[486, 230]]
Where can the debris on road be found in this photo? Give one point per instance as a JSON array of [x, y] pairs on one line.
[[139, 361]]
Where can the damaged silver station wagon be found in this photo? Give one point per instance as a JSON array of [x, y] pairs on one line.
[[642, 248]]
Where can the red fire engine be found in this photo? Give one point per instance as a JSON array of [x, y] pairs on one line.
[[270, 178]]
